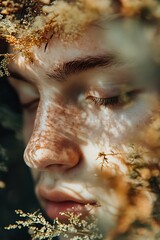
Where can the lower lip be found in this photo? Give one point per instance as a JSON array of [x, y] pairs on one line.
[[54, 209]]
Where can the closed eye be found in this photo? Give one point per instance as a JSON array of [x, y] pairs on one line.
[[30, 106], [115, 101]]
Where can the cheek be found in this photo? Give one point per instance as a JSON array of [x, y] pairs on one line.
[[127, 125], [151, 134]]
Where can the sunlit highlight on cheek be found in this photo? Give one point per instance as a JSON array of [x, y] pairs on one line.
[[122, 124]]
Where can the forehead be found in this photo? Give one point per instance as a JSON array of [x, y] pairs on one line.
[[91, 42], [100, 39]]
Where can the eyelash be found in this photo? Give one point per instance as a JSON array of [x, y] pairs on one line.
[[115, 100], [30, 105]]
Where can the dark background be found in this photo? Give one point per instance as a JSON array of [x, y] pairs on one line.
[[18, 193]]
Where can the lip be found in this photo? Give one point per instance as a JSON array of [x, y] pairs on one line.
[[56, 202]]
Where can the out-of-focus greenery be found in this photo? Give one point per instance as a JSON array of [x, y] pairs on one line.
[[18, 192]]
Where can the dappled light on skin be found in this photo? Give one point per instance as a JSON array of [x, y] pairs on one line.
[[91, 114], [71, 130]]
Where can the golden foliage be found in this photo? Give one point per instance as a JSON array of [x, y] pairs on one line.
[[75, 229]]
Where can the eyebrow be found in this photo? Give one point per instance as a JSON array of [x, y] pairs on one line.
[[63, 71], [78, 65]]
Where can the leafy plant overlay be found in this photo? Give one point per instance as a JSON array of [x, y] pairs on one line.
[[138, 214], [138, 192], [27, 23], [75, 229]]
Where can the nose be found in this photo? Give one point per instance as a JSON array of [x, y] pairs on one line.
[[49, 146]]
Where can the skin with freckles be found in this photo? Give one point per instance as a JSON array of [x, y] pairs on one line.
[[81, 99]]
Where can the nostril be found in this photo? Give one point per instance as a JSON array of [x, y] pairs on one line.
[[55, 167]]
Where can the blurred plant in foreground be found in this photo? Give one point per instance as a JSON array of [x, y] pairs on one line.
[[75, 229]]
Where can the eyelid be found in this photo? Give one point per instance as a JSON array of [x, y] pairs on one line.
[[120, 99], [28, 94], [30, 104], [103, 92], [17, 84]]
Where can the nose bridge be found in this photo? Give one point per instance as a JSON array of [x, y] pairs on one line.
[[48, 145]]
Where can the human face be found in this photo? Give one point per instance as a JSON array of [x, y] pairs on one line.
[[85, 103]]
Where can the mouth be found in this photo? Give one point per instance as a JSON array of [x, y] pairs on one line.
[[56, 209], [57, 202]]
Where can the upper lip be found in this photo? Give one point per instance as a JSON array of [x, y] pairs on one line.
[[58, 196]]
